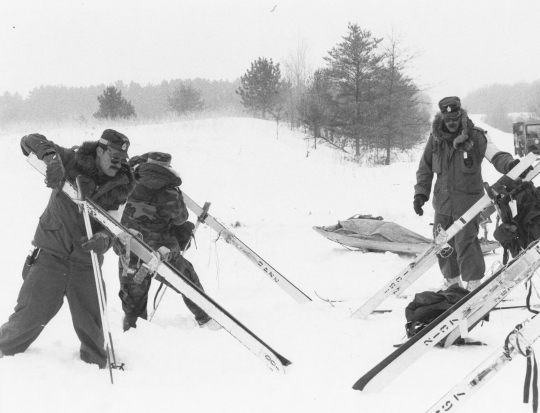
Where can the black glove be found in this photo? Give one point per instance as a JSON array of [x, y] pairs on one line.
[[419, 201], [55, 174], [99, 243], [512, 164], [183, 234]]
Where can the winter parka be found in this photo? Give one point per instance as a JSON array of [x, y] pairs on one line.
[[459, 172], [61, 226], [156, 204]]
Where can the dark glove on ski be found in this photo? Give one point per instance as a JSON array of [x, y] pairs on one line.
[[512, 164], [183, 234], [99, 243], [55, 174], [419, 201]]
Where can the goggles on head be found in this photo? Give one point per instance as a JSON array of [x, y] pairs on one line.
[[452, 118]]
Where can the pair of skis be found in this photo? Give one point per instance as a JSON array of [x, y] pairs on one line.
[[428, 258], [175, 279], [456, 321], [518, 342]]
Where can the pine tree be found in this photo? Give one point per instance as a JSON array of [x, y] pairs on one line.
[[113, 105], [317, 106], [262, 89], [354, 66], [402, 111], [185, 99]]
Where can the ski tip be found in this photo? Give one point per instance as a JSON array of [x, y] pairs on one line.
[[283, 360], [275, 361], [360, 385], [363, 385]]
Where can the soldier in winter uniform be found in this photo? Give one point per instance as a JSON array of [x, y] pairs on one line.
[[156, 212], [455, 151], [60, 264]]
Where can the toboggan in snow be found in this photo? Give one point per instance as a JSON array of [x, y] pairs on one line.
[[369, 233]]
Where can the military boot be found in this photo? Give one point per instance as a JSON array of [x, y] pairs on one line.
[[451, 281], [473, 284]]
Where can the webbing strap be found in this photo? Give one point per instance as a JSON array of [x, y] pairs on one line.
[[532, 372], [528, 301]]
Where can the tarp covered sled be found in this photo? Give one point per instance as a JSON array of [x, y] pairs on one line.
[[370, 233]]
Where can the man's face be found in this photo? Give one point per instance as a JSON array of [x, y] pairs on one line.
[[452, 123], [107, 162]]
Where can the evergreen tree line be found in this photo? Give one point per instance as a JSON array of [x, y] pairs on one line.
[[502, 105], [62, 103], [362, 101], [515, 98]]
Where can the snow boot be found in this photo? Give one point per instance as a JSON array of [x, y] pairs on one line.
[[210, 324], [451, 281], [473, 284], [129, 322]]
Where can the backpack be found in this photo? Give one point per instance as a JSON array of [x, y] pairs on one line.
[[515, 233], [428, 305]]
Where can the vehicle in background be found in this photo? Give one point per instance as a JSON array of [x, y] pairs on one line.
[[526, 137]]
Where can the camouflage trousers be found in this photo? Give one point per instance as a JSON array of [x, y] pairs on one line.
[[135, 296]]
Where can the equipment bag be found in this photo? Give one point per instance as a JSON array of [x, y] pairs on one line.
[[428, 305], [515, 233]]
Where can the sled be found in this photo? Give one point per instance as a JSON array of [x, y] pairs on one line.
[[368, 233]]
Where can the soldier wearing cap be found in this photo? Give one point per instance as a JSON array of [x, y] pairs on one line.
[[156, 211], [454, 152], [60, 263]]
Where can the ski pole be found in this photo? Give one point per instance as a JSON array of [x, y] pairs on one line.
[[108, 346], [159, 297]]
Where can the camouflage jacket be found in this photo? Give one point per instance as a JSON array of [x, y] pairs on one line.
[[156, 205], [61, 226]]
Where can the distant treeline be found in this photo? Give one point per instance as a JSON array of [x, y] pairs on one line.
[[518, 97], [61, 103]]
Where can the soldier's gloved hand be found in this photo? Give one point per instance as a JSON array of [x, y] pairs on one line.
[[120, 241], [512, 164], [99, 243], [419, 201], [55, 174]]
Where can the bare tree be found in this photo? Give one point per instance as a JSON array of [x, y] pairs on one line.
[[402, 119], [297, 69]]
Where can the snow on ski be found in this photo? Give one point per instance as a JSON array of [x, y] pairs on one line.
[[171, 276], [428, 258], [520, 340], [233, 240], [486, 296]]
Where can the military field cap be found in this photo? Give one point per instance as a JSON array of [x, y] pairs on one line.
[[160, 158], [116, 142], [450, 107]]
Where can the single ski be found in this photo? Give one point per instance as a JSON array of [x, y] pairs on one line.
[[428, 258], [166, 273], [486, 296], [519, 341], [233, 240]]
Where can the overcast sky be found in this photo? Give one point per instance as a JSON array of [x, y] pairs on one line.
[[462, 44]]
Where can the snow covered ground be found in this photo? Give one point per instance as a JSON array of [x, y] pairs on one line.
[[273, 190]]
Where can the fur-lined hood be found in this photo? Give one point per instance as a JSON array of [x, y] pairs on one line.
[[122, 184], [152, 175], [438, 123], [458, 138]]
